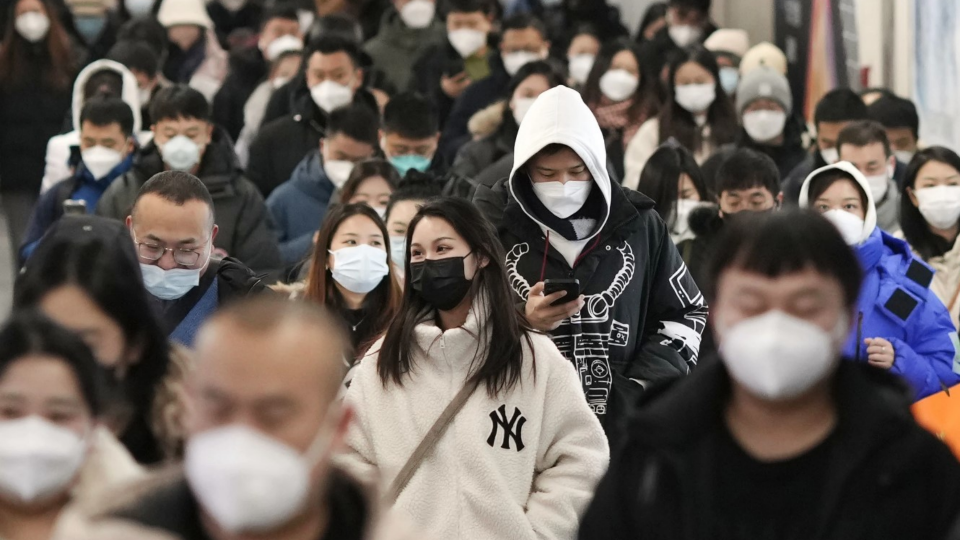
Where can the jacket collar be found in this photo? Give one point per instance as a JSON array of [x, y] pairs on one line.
[[219, 167], [397, 34], [457, 349]]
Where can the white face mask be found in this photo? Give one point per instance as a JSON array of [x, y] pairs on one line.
[[777, 356], [763, 126], [247, 481], [879, 185], [467, 41], [398, 251], [38, 458], [684, 35], [520, 108], [359, 269], [381, 211], [830, 155], [144, 95], [330, 95], [618, 84], [100, 160], [849, 225], [680, 226], [32, 25], [563, 199], [939, 205], [696, 98], [338, 171], [580, 66], [282, 44], [512, 62], [169, 284], [180, 153], [233, 5], [903, 156], [418, 13]]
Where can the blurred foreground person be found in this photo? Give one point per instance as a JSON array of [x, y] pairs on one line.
[[781, 439], [264, 423], [55, 459]]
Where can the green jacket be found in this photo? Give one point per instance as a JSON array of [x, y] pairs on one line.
[[397, 47]]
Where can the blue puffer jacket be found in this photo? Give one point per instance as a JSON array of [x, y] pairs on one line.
[[298, 207], [896, 304]]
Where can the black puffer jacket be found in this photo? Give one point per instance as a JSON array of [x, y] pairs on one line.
[[247, 68]]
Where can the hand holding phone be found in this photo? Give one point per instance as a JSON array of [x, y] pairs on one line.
[[545, 312]]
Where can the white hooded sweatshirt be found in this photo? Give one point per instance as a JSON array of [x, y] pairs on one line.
[[58, 147], [870, 214], [521, 466], [559, 115]]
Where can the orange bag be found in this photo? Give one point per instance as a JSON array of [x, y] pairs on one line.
[[940, 414]]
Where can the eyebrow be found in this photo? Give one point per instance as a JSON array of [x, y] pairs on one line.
[[63, 402]]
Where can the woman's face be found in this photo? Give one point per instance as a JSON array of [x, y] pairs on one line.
[[933, 174], [530, 88], [44, 386], [434, 238], [354, 231], [686, 189], [71, 307], [692, 73], [626, 61], [374, 192], [400, 216], [583, 44], [841, 195], [26, 6]]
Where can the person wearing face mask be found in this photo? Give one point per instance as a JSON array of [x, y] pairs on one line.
[[899, 324], [371, 183], [414, 190], [172, 226], [672, 179], [835, 110], [410, 134], [902, 124], [490, 158], [564, 219], [458, 346], [194, 56], [865, 145], [143, 63], [185, 140], [105, 152], [581, 55], [350, 273], [443, 71], [288, 357], [331, 77], [698, 114], [36, 71], [407, 29], [930, 219], [781, 422], [523, 40], [299, 205], [279, 31], [621, 96], [55, 458], [728, 45], [687, 25], [85, 276], [230, 16]]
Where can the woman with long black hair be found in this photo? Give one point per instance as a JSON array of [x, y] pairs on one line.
[[521, 456]]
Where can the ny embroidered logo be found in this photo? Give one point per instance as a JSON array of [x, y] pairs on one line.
[[512, 429]]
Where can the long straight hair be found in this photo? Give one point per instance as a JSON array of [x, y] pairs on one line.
[[677, 122], [645, 97], [501, 358], [59, 69], [915, 228], [383, 303], [661, 176]]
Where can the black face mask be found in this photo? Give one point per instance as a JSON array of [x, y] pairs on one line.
[[441, 282]]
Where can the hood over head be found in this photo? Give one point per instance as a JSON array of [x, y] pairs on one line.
[[130, 93], [559, 116], [870, 216]]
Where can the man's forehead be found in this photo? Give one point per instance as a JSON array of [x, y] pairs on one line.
[[155, 215], [805, 281]]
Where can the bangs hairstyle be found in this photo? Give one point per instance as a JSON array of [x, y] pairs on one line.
[[499, 361], [915, 228], [660, 179], [822, 182], [747, 169], [677, 122], [368, 169], [383, 301], [780, 243], [644, 98]]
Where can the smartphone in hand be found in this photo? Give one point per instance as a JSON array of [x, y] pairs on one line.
[[571, 286]]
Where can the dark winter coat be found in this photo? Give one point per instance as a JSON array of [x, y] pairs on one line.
[[248, 68], [397, 46], [226, 22], [298, 207], [245, 230], [476, 156], [886, 478], [787, 156], [435, 62]]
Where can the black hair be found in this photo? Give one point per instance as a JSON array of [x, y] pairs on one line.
[[368, 169], [500, 358], [28, 333], [331, 44], [779, 243], [915, 228], [508, 124], [677, 122], [177, 187], [410, 115], [279, 11], [146, 30], [338, 26], [177, 102], [700, 5], [840, 105], [135, 55], [105, 82], [896, 112], [355, 121], [468, 6], [655, 12], [747, 169], [103, 111], [863, 133], [645, 98], [661, 176], [822, 182], [415, 186], [522, 21]]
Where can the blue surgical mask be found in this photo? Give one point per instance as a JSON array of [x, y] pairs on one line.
[[398, 250], [90, 26], [169, 284], [410, 161], [729, 79]]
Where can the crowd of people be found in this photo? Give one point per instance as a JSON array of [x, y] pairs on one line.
[[462, 269]]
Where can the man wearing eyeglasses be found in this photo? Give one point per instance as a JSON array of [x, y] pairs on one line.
[[173, 227]]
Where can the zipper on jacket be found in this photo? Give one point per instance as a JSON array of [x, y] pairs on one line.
[[859, 333]]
